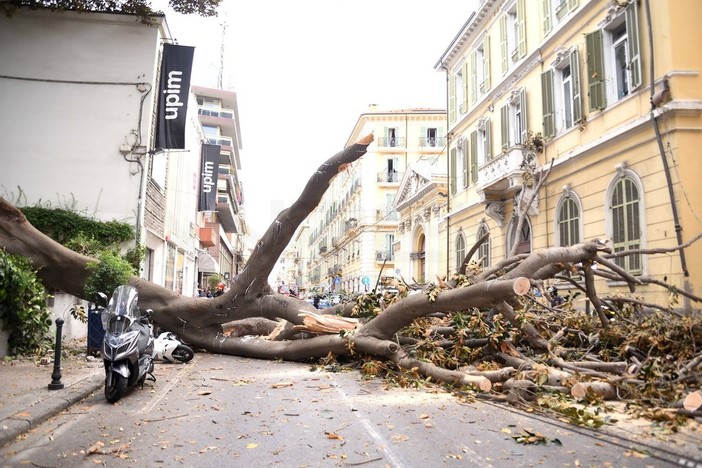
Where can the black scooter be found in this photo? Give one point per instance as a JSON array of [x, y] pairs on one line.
[[128, 346]]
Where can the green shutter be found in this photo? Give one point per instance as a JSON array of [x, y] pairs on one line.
[[504, 127], [423, 136], [546, 12], [595, 70], [521, 26], [633, 46], [547, 104], [474, 156], [504, 53], [523, 116], [452, 169], [466, 163], [466, 86], [575, 80], [488, 141], [452, 98], [486, 64], [473, 86]]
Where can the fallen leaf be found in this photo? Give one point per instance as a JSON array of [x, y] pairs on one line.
[[332, 435], [282, 385], [424, 416], [204, 392], [252, 445]]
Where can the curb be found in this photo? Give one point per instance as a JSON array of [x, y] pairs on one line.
[[23, 421]]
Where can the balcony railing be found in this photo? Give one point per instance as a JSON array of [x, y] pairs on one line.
[[383, 255], [501, 173], [322, 249], [391, 142], [222, 141], [389, 176], [386, 215], [432, 142], [214, 112]]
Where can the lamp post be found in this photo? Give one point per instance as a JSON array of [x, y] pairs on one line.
[[56, 375]]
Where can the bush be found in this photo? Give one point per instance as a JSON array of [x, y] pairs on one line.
[[23, 306], [111, 271]]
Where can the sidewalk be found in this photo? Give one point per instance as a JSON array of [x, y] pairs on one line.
[[25, 399]]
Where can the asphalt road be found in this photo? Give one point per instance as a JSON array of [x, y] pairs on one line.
[[226, 411]]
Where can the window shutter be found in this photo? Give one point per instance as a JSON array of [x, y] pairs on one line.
[[488, 142], [452, 175], [523, 116], [503, 44], [521, 25], [423, 137], [633, 46], [504, 127], [575, 81], [474, 156], [466, 163], [595, 70], [466, 86], [547, 104], [473, 77], [546, 12], [452, 98], [486, 64], [572, 5]]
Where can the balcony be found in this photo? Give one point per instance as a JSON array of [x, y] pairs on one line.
[[335, 242], [432, 142], [218, 117], [501, 177], [224, 141], [386, 215], [389, 177], [322, 249], [206, 236], [391, 142]]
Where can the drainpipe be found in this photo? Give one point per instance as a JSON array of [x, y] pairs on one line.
[[659, 140], [448, 179]]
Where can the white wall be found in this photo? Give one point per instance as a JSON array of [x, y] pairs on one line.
[[61, 135]]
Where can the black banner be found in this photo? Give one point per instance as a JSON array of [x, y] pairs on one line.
[[173, 92], [209, 169]]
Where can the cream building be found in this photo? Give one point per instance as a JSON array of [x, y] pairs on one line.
[[353, 241], [570, 84]]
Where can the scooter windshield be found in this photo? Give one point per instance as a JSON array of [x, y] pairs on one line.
[[122, 306]]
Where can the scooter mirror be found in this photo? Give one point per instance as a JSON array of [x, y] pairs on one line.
[[101, 299]]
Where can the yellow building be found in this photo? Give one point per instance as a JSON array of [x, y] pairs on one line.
[[352, 232], [569, 86]]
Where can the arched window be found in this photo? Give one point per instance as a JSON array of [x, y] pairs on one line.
[[484, 249], [568, 221], [625, 213], [460, 250], [523, 238]]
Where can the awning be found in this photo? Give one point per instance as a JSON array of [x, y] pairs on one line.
[[207, 263]]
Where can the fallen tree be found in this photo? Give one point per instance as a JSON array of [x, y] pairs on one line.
[[460, 330]]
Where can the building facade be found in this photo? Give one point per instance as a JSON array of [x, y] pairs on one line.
[[222, 231], [353, 241], [605, 95]]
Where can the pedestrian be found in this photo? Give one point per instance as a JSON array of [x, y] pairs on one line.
[[315, 301], [556, 299], [220, 290]]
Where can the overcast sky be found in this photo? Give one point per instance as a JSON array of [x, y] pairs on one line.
[[305, 70]]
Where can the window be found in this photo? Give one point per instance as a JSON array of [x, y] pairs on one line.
[[513, 120], [568, 221], [458, 167], [613, 58], [430, 137], [553, 12], [625, 213], [484, 249], [473, 157], [560, 94], [523, 237], [460, 250], [391, 137], [513, 34], [479, 70], [462, 88], [391, 170], [484, 146]]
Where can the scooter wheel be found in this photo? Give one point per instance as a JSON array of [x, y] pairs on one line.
[[116, 388], [183, 353]]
